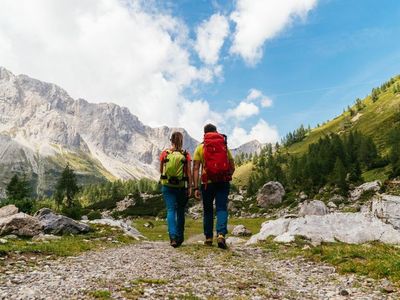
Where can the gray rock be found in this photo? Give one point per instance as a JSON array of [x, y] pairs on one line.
[[387, 208], [303, 196], [332, 205], [3, 241], [241, 230], [125, 203], [353, 228], [59, 224], [387, 286], [129, 230], [373, 186], [314, 207], [45, 237], [237, 198], [84, 218], [232, 240], [196, 211], [20, 224], [8, 210], [270, 194], [337, 199]]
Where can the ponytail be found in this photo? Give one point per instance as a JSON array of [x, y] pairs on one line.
[[177, 140]]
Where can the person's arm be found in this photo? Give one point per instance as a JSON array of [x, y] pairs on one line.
[[190, 181], [196, 169], [232, 166]]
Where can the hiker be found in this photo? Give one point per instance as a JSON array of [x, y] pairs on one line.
[[176, 181], [217, 167]]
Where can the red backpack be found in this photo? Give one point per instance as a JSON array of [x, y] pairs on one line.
[[217, 167]]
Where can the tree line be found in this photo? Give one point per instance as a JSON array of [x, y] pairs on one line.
[[69, 198], [335, 160]]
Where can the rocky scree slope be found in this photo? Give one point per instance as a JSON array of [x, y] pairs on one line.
[[42, 128]]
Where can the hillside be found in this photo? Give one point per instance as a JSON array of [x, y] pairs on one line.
[[372, 118]]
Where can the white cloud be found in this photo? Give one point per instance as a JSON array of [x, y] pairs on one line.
[[195, 115], [256, 95], [210, 38], [243, 111], [259, 20], [103, 50], [262, 131]]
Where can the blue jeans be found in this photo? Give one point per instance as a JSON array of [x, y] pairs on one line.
[[175, 201], [218, 191]]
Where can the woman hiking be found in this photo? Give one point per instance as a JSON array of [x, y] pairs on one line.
[[176, 181]]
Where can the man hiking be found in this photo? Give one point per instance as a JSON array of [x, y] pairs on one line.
[[217, 167]]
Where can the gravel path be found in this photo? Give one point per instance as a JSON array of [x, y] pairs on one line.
[[153, 270]]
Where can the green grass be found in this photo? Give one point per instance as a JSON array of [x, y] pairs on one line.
[[192, 227], [100, 294], [375, 260], [150, 281], [69, 245]]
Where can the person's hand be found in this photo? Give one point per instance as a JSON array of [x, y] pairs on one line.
[[190, 192], [197, 194]]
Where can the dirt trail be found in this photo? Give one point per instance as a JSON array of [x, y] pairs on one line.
[[154, 270]]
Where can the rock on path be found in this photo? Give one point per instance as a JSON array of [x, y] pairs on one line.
[[153, 270]]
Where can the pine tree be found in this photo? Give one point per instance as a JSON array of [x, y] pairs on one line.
[[339, 176], [374, 95], [66, 187], [18, 189]]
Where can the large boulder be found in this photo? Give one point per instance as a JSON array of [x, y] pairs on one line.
[[128, 230], [59, 224], [387, 208], [352, 228], [373, 186], [241, 230], [20, 224], [8, 210], [271, 193], [314, 207]]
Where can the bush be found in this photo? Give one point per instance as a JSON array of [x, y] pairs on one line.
[[75, 212], [25, 205], [94, 214]]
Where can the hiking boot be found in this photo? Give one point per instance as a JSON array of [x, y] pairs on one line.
[[221, 241], [179, 242], [208, 242], [174, 243]]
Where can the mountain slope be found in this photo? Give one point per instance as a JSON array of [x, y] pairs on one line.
[[42, 128], [375, 119], [372, 118]]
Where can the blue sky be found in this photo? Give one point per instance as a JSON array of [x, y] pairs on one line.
[[256, 68], [316, 67]]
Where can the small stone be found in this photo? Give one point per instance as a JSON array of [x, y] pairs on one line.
[[148, 225], [343, 292], [3, 241], [387, 286]]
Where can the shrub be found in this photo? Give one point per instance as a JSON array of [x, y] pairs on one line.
[[94, 214], [75, 212]]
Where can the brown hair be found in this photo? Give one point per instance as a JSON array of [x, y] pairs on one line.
[[177, 140]]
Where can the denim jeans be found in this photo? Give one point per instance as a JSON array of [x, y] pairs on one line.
[[218, 191], [175, 201]]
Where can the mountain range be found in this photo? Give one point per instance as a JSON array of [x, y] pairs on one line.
[[42, 129]]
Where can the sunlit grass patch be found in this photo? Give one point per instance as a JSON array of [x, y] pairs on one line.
[[69, 245], [375, 260]]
